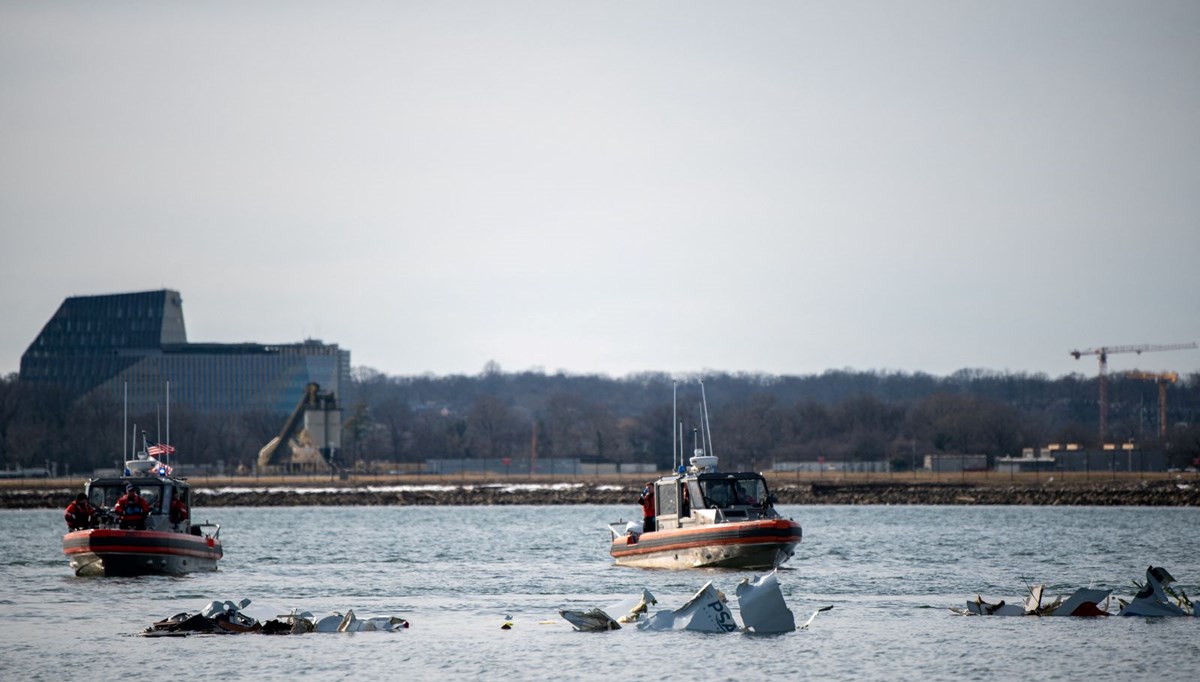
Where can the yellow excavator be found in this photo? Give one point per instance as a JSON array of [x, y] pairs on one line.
[[313, 432]]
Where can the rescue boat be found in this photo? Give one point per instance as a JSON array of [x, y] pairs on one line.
[[161, 548], [705, 518], [733, 523]]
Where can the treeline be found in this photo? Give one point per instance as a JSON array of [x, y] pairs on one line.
[[756, 419]]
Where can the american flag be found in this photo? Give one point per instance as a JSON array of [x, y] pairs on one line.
[[160, 449]]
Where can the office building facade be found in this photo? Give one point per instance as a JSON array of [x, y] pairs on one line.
[[135, 345]]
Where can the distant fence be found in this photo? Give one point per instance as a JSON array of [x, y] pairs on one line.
[[39, 472], [877, 466], [565, 466]]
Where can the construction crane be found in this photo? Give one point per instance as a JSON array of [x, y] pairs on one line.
[[1104, 352], [1162, 379]]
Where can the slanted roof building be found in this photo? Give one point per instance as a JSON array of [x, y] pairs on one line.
[[138, 341]]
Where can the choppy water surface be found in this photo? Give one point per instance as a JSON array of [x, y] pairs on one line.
[[456, 573]]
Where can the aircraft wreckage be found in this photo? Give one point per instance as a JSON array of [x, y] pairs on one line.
[[227, 618], [1155, 597], [760, 602]]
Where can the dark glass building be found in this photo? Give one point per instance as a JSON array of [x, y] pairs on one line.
[[138, 342]]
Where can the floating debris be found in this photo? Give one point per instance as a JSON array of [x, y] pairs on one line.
[[610, 617], [762, 605], [1083, 602], [1154, 598], [760, 601], [706, 611], [227, 618]]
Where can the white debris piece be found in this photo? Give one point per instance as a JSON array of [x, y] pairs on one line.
[[610, 617], [1084, 602], [762, 606], [595, 620], [1152, 599], [328, 623], [705, 612], [979, 607]]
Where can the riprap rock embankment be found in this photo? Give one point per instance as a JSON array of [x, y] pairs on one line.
[[1143, 493]]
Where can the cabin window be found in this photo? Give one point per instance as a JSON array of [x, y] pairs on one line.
[[106, 496], [729, 492], [153, 496], [666, 499], [751, 492]]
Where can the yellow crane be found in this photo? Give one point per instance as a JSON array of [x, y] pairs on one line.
[[1162, 379], [1103, 352]]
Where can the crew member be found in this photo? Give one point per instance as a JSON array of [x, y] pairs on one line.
[[79, 513], [179, 510], [132, 509], [647, 502]]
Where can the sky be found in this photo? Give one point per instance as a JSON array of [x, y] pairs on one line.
[[615, 186]]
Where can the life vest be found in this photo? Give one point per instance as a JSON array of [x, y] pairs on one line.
[[647, 500], [132, 508], [78, 515]]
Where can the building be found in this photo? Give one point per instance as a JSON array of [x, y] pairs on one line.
[[955, 462], [137, 342]]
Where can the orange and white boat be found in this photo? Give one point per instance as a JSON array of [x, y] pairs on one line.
[[162, 547], [706, 518]]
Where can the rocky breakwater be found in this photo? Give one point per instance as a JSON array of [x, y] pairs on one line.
[[1141, 494], [432, 495], [1135, 493]]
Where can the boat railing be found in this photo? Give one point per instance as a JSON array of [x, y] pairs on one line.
[[200, 529]]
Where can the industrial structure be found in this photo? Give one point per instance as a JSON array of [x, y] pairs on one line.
[[312, 432], [128, 346], [1103, 352], [1162, 379]]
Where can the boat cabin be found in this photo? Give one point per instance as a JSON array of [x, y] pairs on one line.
[[702, 496], [103, 494]]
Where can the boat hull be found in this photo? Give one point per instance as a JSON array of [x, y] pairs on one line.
[[750, 545], [110, 552]]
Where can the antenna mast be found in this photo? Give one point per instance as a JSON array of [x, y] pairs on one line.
[[167, 452], [707, 424], [674, 420]]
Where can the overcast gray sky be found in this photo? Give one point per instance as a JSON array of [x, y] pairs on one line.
[[784, 187]]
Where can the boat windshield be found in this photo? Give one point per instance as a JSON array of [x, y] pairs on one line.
[[105, 496], [729, 492]]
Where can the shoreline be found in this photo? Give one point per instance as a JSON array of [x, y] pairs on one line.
[[1142, 493]]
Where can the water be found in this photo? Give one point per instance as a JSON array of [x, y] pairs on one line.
[[457, 573]]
